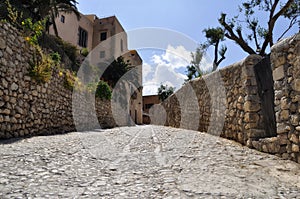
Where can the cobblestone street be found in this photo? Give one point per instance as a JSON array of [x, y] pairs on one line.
[[142, 162]]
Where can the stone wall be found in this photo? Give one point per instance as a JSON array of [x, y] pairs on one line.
[[223, 103], [285, 59], [227, 103], [31, 108]]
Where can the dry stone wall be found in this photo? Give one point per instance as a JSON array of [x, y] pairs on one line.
[[285, 59], [237, 114], [223, 103], [30, 108]]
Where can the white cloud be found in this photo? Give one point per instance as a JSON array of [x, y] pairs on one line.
[[206, 63], [146, 70], [162, 69], [177, 56]]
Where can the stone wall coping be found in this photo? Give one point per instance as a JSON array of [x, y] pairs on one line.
[[234, 65], [284, 43]]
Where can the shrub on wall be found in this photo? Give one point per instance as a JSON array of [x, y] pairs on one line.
[[41, 66], [32, 31], [84, 52], [67, 48], [67, 51], [103, 91], [56, 58], [70, 80]]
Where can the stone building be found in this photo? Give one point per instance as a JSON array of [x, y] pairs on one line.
[[106, 39], [148, 102]]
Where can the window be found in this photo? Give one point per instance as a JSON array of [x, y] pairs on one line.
[[62, 18], [121, 45], [83, 37], [102, 54], [103, 36]]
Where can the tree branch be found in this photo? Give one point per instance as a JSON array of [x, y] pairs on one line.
[[232, 36], [272, 19], [222, 58], [216, 56], [292, 23], [255, 38]]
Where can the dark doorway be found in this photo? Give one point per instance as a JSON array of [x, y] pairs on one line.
[[265, 84], [135, 116]]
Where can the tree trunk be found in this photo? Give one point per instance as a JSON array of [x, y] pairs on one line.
[[54, 25]]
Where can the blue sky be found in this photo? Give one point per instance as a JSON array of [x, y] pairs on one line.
[[187, 17]]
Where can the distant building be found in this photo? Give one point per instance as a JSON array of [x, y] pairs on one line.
[[107, 40], [148, 102]]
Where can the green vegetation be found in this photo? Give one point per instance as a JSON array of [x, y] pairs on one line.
[[16, 11], [115, 71], [193, 70], [12, 14], [103, 91], [32, 31], [67, 51], [34, 18], [56, 58], [164, 92], [251, 32], [84, 52], [70, 79], [41, 66], [214, 37]]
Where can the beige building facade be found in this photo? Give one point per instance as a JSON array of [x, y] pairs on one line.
[[106, 39], [148, 102]]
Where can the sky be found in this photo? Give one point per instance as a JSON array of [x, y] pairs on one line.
[[184, 19]]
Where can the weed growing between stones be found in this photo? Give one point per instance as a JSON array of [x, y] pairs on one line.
[[41, 66]]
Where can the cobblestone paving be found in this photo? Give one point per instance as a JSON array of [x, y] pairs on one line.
[[142, 162]]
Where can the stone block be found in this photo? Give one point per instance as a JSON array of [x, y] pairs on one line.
[[251, 126], [278, 94], [9, 50], [251, 106], [256, 145], [293, 107], [278, 73], [251, 117], [2, 43], [283, 128], [295, 148], [19, 110], [295, 120], [280, 60], [6, 111], [273, 147], [239, 106], [241, 99], [284, 114], [296, 85], [285, 156], [14, 87], [255, 133], [294, 138], [284, 103], [4, 83], [282, 139], [296, 98], [34, 93]]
